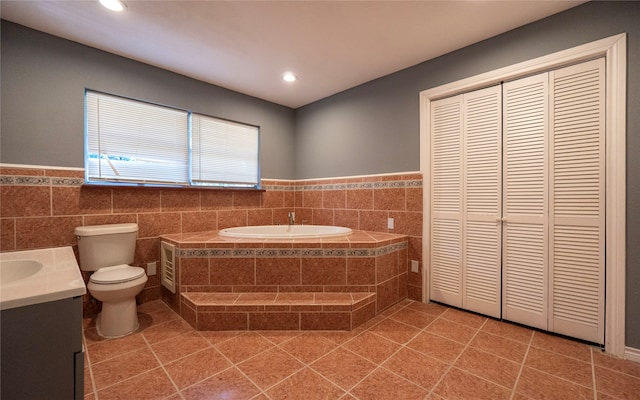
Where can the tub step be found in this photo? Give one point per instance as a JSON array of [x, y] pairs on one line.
[[277, 311]]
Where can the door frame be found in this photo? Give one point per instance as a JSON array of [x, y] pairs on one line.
[[614, 49]]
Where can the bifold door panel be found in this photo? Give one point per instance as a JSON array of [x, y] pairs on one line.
[[517, 201]]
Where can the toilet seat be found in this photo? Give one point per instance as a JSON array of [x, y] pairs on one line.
[[117, 274]]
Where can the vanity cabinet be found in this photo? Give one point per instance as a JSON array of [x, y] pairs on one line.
[[41, 351]]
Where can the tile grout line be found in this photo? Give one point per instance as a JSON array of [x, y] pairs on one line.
[[402, 346], [593, 375], [162, 366], [524, 359], [452, 364], [90, 366]]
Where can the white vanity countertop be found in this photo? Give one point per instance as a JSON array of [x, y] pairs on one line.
[[59, 278]]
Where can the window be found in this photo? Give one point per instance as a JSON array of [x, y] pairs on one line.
[[129, 142]]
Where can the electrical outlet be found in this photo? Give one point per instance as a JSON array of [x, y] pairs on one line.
[[415, 267], [390, 223], [151, 268]]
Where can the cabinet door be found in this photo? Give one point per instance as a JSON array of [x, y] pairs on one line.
[[577, 201], [525, 201], [482, 176], [445, 281]]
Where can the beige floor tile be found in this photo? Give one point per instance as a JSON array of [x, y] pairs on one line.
[[166, 330], [422, 370], [196, 367], [464, 318], [616, 384], [244, 346], [305, 384], [489, 366], [308, 348], [152, 385], [561, 345], [452, 330], [561, 366], [539, 385], [229, 384], [395, 331], [372, 347], [106, 349], [617, 364], [119, 368], [500, 346], [179, 346], [508, 330], [384, 385], [270, 367], [458, 384], [412, 317], [343, 367], [436, 346]]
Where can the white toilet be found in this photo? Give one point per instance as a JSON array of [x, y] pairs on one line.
[[107, 249]]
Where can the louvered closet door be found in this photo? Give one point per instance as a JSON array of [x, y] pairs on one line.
[[482, 156], [525, 201], [445, 281], [577, 201]]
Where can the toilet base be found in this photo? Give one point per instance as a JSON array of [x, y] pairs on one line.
[[117, 319]]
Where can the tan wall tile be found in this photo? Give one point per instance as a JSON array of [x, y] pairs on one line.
[[389, 199], [232, 271], [7, 234], [156, 224], [324, 271], [180, 200], [216, 200], [360, 199], [278, 271], [74, 200], [136, 200], [199, 221], [38, 233], [25, 201], [231, 218]]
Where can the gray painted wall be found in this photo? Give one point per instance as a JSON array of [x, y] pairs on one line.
[[374, 128], [43, 83]]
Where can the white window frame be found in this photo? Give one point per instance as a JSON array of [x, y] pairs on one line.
[[230, 151]]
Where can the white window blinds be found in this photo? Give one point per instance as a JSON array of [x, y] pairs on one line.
[[135, 142], [131, 142], [224, 152]]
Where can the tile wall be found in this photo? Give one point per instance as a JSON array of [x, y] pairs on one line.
[[40, 207]]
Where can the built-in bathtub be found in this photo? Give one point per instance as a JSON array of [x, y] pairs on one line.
[[285, 232], [331, 282]]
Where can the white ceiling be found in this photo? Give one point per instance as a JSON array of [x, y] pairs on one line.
[[246, 46]]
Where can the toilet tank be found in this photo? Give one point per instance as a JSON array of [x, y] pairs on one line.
[[106, 245]]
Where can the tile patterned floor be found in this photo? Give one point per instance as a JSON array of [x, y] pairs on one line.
[[412, 351]]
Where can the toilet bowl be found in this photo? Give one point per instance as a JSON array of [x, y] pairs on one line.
[[107, 251], [117, 288]]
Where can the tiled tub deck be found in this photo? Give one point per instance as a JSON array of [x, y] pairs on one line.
[[308, 284]]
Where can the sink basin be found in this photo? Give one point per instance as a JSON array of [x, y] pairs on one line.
[[39, 276], [14, 270]]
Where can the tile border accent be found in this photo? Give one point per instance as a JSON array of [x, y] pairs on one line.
[[288, 252]]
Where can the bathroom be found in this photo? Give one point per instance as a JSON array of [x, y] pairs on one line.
[[41, 156]]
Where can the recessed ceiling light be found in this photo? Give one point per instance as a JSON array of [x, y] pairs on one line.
[[289, 77], [113, 5]]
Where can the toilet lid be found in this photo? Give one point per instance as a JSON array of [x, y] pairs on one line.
[[117, 274]]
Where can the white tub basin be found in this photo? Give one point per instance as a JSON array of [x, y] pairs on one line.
[[14, 270], [38, 276], [285, 232]]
